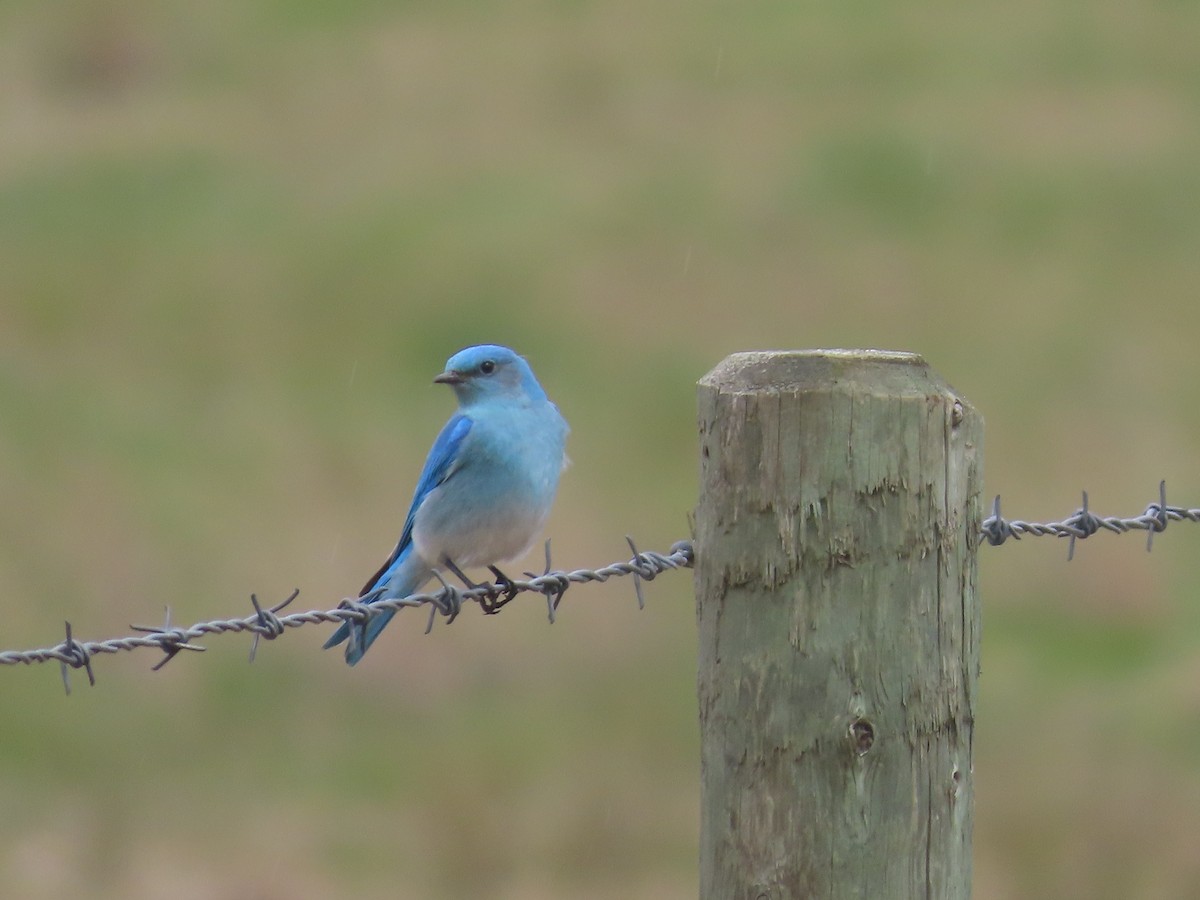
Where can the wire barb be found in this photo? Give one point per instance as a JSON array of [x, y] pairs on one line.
[[449, 603], [1156, 515], [994, 529], [554, 586], [269, 626], [641, 569], [1086, 524], [77, 656], [170, 640]]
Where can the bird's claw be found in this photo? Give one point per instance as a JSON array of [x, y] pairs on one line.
[[494, 596], [500, 594]]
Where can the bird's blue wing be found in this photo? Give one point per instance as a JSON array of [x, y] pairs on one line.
[[439, 465]]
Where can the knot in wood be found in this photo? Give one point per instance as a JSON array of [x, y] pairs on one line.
[[862, 735]]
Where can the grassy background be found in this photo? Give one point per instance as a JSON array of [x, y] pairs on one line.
[[238, 239]]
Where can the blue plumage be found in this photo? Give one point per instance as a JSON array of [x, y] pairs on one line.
[[486, 488]]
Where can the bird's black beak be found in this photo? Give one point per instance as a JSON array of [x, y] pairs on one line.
[[448, 377]]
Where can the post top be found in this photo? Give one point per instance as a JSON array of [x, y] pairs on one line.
[[862, 354], [768, 370]]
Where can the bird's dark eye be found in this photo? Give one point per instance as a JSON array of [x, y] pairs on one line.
[[487, 367]]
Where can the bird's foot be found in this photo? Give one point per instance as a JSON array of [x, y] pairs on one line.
[[496, 595], [492, 602]]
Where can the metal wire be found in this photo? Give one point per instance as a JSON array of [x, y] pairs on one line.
[[266, 623], [1083, 523]]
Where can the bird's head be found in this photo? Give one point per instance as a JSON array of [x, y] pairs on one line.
[[489, 371]]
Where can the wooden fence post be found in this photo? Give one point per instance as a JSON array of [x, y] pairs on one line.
[[836, 540]]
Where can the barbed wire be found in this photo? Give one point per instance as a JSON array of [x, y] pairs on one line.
[[1083, 523], [267, 623], [552, 584]]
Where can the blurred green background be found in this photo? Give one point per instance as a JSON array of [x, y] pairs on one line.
[[237, 240]]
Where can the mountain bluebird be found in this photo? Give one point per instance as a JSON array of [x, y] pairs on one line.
[[487, 485]]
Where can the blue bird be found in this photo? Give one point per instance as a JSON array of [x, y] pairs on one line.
[[486, 489]]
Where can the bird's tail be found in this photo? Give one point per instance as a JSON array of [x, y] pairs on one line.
[[391, 581], [359, 636]]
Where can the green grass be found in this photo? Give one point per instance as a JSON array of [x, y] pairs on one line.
[[237, 243]]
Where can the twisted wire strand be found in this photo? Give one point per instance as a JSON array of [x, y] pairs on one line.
[[1083, 523], [266, 623]]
